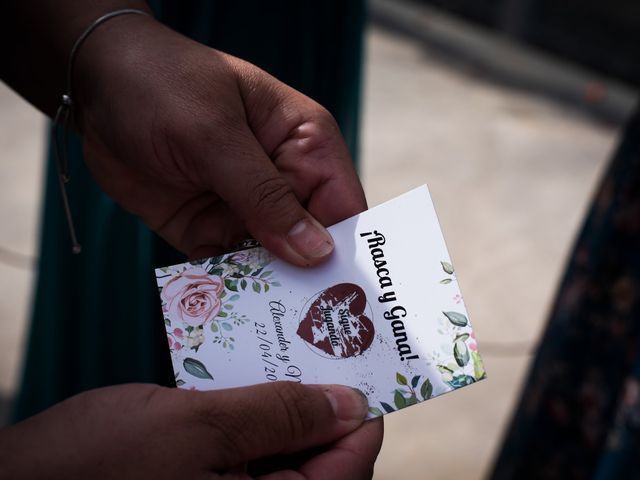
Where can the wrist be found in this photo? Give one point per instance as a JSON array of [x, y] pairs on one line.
[[107, 53], [133, 63]]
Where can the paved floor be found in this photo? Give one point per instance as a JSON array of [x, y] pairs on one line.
[[21, 152], [510, 173]]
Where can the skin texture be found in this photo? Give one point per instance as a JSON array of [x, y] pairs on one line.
[[145, 431], [208, 150]]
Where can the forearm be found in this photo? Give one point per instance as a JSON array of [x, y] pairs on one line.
[[36, 39]]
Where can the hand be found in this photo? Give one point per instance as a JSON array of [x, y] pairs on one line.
[[146, 431], [208, 149]]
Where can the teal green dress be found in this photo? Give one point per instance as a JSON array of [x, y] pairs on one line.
[[96, 317]]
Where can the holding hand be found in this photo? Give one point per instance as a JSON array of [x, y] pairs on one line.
[[145, 431], [208, 149]]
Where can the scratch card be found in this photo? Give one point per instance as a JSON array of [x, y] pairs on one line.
[[384, 314]]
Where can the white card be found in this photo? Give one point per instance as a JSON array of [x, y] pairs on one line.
[[384, 314]]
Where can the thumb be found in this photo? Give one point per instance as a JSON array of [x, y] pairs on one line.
[[265, 202], [282, 417]]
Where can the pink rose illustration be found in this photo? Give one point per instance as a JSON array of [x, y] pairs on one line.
[[193, 296]]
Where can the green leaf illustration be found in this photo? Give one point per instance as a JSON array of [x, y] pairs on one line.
[[478, 367], [226, 326], [234, 297], [228, 306], [167, 322], [462, 336], [461, 353], [447, 267], [426, 390], [214, 327], [458, 319], [415, 380], [180, 382], [461, 381], [256, 287], [266, 287], [189, 329], [375, 411], [243, 284], [387, 408], [275, 284], [446, 281], [222, 314], [196, 368], [453, 366], [446, 372], [215, 271], [412, 400], [266, 274], [401, 379], [231, 284], [444, 369], [399, 400]]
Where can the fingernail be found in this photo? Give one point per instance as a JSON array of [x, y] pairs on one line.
[[310, 239], [348, 403]]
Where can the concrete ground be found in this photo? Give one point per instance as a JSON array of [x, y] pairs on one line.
[[21, 159], [510, 173]]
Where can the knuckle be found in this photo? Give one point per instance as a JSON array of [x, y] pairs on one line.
[[272, 194], [298, 407], [226, 428], [324, 119], [319, 136]]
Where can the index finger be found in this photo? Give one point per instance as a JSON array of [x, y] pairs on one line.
[[316, 163]]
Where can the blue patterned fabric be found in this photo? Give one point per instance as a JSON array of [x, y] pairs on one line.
[[579, 415]]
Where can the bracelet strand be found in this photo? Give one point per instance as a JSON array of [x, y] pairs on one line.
[[61, 120]]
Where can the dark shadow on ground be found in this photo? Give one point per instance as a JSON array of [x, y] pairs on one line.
[[485, 56]]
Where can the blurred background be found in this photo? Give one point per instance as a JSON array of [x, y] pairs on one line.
[[508, 110]]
